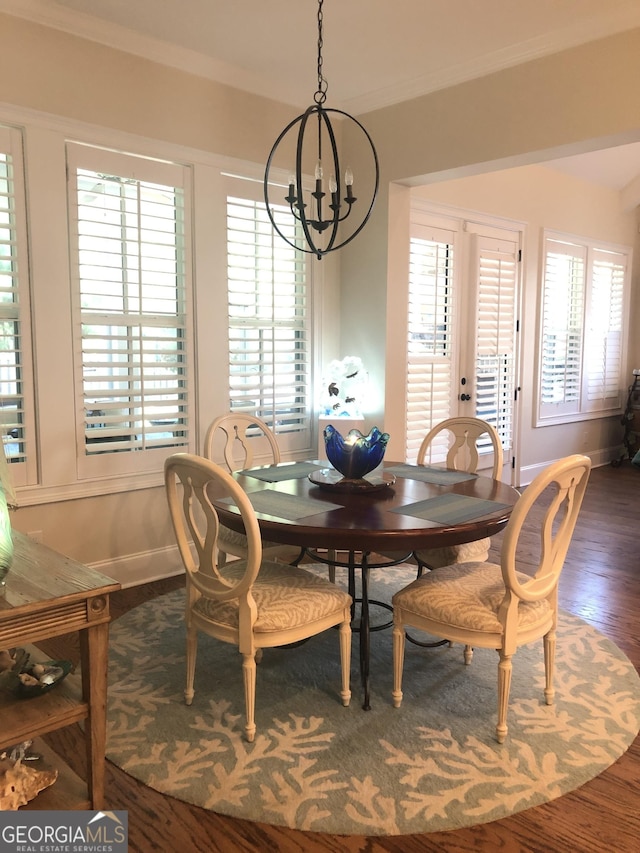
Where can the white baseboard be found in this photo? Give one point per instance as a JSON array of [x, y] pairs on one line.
[[599, 458], [136, 569]]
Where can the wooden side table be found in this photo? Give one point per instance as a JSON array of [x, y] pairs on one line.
[[48, 594]]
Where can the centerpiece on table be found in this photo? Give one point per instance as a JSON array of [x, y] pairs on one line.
[[353, 456]]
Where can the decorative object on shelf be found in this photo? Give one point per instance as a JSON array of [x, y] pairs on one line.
[[357, 454], [316, 152], [27, 680], [20, 783], [344, 388]]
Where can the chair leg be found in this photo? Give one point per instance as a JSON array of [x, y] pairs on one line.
[[222, 559], [192, 648], [468, 655], [549, 666], [504, 686], [398, 663], [345, 658], [249, 676]]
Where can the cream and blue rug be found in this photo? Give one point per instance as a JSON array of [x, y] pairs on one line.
[[431, 765]]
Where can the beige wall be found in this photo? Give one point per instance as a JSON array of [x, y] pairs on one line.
[[557, 103], [61, 74], [540, 198], [578, 100]]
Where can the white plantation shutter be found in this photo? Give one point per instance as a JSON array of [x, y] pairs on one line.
[[430, 333], [585, 290], [17, 423], [269, 322], [604, 330], [496, 266], [562, 327], [130, 250]]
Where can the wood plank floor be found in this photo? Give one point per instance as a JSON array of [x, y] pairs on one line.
[[600, 583]]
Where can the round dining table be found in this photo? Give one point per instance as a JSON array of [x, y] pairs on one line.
[[401, 508]]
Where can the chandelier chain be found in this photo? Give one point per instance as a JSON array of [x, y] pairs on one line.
[[321, 95], [319, 210]]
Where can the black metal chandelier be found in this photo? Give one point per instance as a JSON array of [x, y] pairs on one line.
[[328, 221]]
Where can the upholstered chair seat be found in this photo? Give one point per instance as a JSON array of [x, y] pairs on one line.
[[251, 602], [503, 606]]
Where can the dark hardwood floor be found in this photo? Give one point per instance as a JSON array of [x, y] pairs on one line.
[[599, 584]]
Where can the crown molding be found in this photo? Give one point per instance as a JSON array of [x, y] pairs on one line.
[[121, 38], [526, 51]]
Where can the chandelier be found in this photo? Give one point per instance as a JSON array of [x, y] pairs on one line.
[[329, 220]]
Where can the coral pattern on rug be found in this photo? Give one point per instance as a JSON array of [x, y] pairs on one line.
[[432, 764]]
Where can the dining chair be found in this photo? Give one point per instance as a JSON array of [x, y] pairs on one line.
[[501, 606], [240, 433], [253, 603], [464, 435]]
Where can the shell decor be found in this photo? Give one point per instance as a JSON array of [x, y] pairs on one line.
[[19, 782]]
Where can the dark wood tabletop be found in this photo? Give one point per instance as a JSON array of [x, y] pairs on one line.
[[369, 520]]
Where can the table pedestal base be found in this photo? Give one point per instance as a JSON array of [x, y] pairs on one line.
[[363, 628]]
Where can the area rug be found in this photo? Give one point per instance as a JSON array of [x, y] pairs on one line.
[[431, 765]]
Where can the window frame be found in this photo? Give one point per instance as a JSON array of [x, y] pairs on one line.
[[297, 436], [585, 251], [53, 459], [23, 471], [138, 453]]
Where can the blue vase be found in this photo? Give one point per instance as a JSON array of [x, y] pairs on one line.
[[357, 454]]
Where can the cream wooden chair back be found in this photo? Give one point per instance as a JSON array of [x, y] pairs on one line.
[[500, 607], [463, 454], [463, 435], [253, 603], [238, 452]]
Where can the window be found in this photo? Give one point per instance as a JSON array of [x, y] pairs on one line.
[[495, 264], [131, 258], [584, 294], [429, 353], [269, 322], [16, 386]]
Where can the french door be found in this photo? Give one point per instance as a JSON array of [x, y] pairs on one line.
[[462, 340]]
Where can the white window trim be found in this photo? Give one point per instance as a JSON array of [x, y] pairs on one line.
[[582, 413], [91, 158], [22, 472], [45, 138], [301, 438]]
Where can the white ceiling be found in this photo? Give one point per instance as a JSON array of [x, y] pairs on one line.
[[375, 53]]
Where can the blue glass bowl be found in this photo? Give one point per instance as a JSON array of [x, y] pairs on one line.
[[357, 454]]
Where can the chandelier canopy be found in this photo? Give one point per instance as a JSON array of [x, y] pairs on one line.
[[329, 220]]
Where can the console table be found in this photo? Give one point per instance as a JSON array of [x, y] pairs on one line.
[[47, 595]]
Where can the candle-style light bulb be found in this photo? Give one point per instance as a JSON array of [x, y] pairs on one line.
[[348, 179], [318, 193], [292, 189], [333, 188]]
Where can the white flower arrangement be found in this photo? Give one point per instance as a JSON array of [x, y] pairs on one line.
[[344, 388]]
